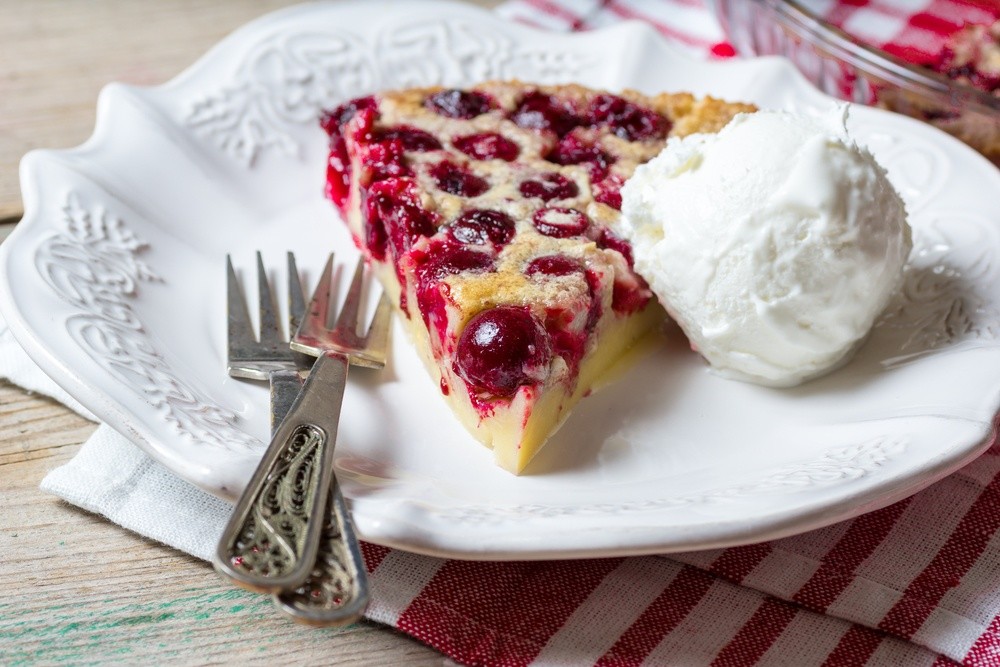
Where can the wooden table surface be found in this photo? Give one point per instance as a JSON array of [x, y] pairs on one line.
[[77, 589]]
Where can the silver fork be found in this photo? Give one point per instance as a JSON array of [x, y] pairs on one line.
[[337, 348], [269, 358], [290, 534]]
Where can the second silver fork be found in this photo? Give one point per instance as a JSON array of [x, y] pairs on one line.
[[290, 534]]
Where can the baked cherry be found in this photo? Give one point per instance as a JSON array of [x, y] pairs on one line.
[[538, 111], [382, 161], [334, 121], [441, 258], [487, 146], [630, 294], [457, 180], [571, 149], [560, 222], [394, 216], [608, 239], [412, 138], [626, 119], [338, 171], [463, 104], [481, 226], [501, 349], [548, 187], [609, 191], [553, 265], [594, 285], [969, 62]]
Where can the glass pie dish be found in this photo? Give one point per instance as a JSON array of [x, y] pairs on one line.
[[844, 67]]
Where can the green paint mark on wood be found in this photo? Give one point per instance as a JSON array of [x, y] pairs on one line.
[[74, 633]]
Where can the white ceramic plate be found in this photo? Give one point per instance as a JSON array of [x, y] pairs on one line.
[[114, 283]]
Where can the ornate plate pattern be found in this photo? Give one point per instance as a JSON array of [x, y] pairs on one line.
[[114, 284]]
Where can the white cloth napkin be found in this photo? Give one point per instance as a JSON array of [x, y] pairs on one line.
[[17, 366]]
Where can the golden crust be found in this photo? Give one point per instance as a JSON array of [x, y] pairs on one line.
[[709, 115], [687, 113], [473, 293]]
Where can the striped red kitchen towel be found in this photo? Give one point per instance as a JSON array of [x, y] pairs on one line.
[[916, 583], [910, 29]]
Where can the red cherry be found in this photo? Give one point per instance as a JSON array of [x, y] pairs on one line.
[[334, 121], [548, 187], [723, 50], [501, 349], [553, 265], [459, 103], [382, 161], [445, 259], [487, 146], [395, 217], [629, 296], [457, 180], [609, 191], [481, 226], [608, 239], [338, 170], [538, 111], [573, 150], [626, 119], [412, 138], [560, 222]]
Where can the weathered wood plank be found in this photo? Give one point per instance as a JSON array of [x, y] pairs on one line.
[[58, 54]]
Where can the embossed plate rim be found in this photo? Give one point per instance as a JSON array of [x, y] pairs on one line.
[[79, 192]]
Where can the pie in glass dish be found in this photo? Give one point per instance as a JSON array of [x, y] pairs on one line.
[[970, 57], [489, 215]]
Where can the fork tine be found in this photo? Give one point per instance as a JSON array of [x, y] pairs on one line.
[[240, 329], [378, 331], [270, 332], [296, 301], [315, 336], [347, 321], [318, 311]]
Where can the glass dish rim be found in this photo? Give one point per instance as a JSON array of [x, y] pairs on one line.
[[846, 49]]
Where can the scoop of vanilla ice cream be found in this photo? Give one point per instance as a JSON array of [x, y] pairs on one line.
[[774, 244]]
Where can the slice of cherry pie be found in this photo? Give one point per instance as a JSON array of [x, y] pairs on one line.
[[489, 214]]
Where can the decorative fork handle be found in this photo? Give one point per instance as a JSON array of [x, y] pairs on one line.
[[271, 541], [336, 592]]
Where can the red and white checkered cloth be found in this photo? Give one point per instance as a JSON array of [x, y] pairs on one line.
[[917, 583]]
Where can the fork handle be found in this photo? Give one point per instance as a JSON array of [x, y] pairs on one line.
[[336, 593], [285, 387], [272, 538]]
